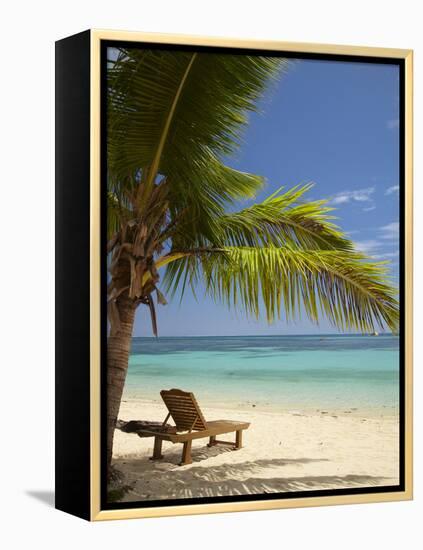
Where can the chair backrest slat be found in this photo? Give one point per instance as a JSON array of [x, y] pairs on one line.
[[184, 410]]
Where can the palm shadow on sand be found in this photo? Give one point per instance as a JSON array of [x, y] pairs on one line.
[[149, 478]]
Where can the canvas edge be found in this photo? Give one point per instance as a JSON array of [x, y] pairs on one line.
[[408, 272], [97, 36], [72, 255]]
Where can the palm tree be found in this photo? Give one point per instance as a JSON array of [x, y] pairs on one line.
[[171, 117]]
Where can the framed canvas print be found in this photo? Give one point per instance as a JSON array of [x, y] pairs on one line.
[[233, 279]]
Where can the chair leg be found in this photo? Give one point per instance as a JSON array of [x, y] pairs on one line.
[[238, 439], [157, 452], [186, 453], [212, 441]]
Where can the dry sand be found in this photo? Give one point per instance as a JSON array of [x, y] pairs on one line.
[[283, 451]]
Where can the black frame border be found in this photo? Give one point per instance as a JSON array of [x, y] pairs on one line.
[[72, 274]]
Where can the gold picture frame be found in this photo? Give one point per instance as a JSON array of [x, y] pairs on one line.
[[92, 509]]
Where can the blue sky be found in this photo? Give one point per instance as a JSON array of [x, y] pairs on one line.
[[332, 123]]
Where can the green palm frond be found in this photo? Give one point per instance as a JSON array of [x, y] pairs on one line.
[[116, 214], [351, 291], [283, 219], [175, 113]]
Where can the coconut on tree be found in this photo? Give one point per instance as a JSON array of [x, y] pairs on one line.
[[172, 208]]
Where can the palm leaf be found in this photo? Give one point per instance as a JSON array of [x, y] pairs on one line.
[[351, 291], [281, 219], [157, 124]]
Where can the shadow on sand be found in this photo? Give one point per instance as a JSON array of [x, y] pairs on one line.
[[164, 480]]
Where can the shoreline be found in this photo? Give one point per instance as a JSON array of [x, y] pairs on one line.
[[283, 451], [275, 408]]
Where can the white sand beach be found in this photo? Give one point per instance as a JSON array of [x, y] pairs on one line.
[[292, 450]]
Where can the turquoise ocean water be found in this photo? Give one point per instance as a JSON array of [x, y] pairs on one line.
[[280, 372]]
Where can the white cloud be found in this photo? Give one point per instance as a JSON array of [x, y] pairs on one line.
[[392, 123], [392, 189], [359, 195], [384, 245], [368, 247], [369, 208], [387, 255], [389, 231]]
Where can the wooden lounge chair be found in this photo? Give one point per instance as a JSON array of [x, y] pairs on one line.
[[190, 424]]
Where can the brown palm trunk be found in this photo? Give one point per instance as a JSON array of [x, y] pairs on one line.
[[118, 348]]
